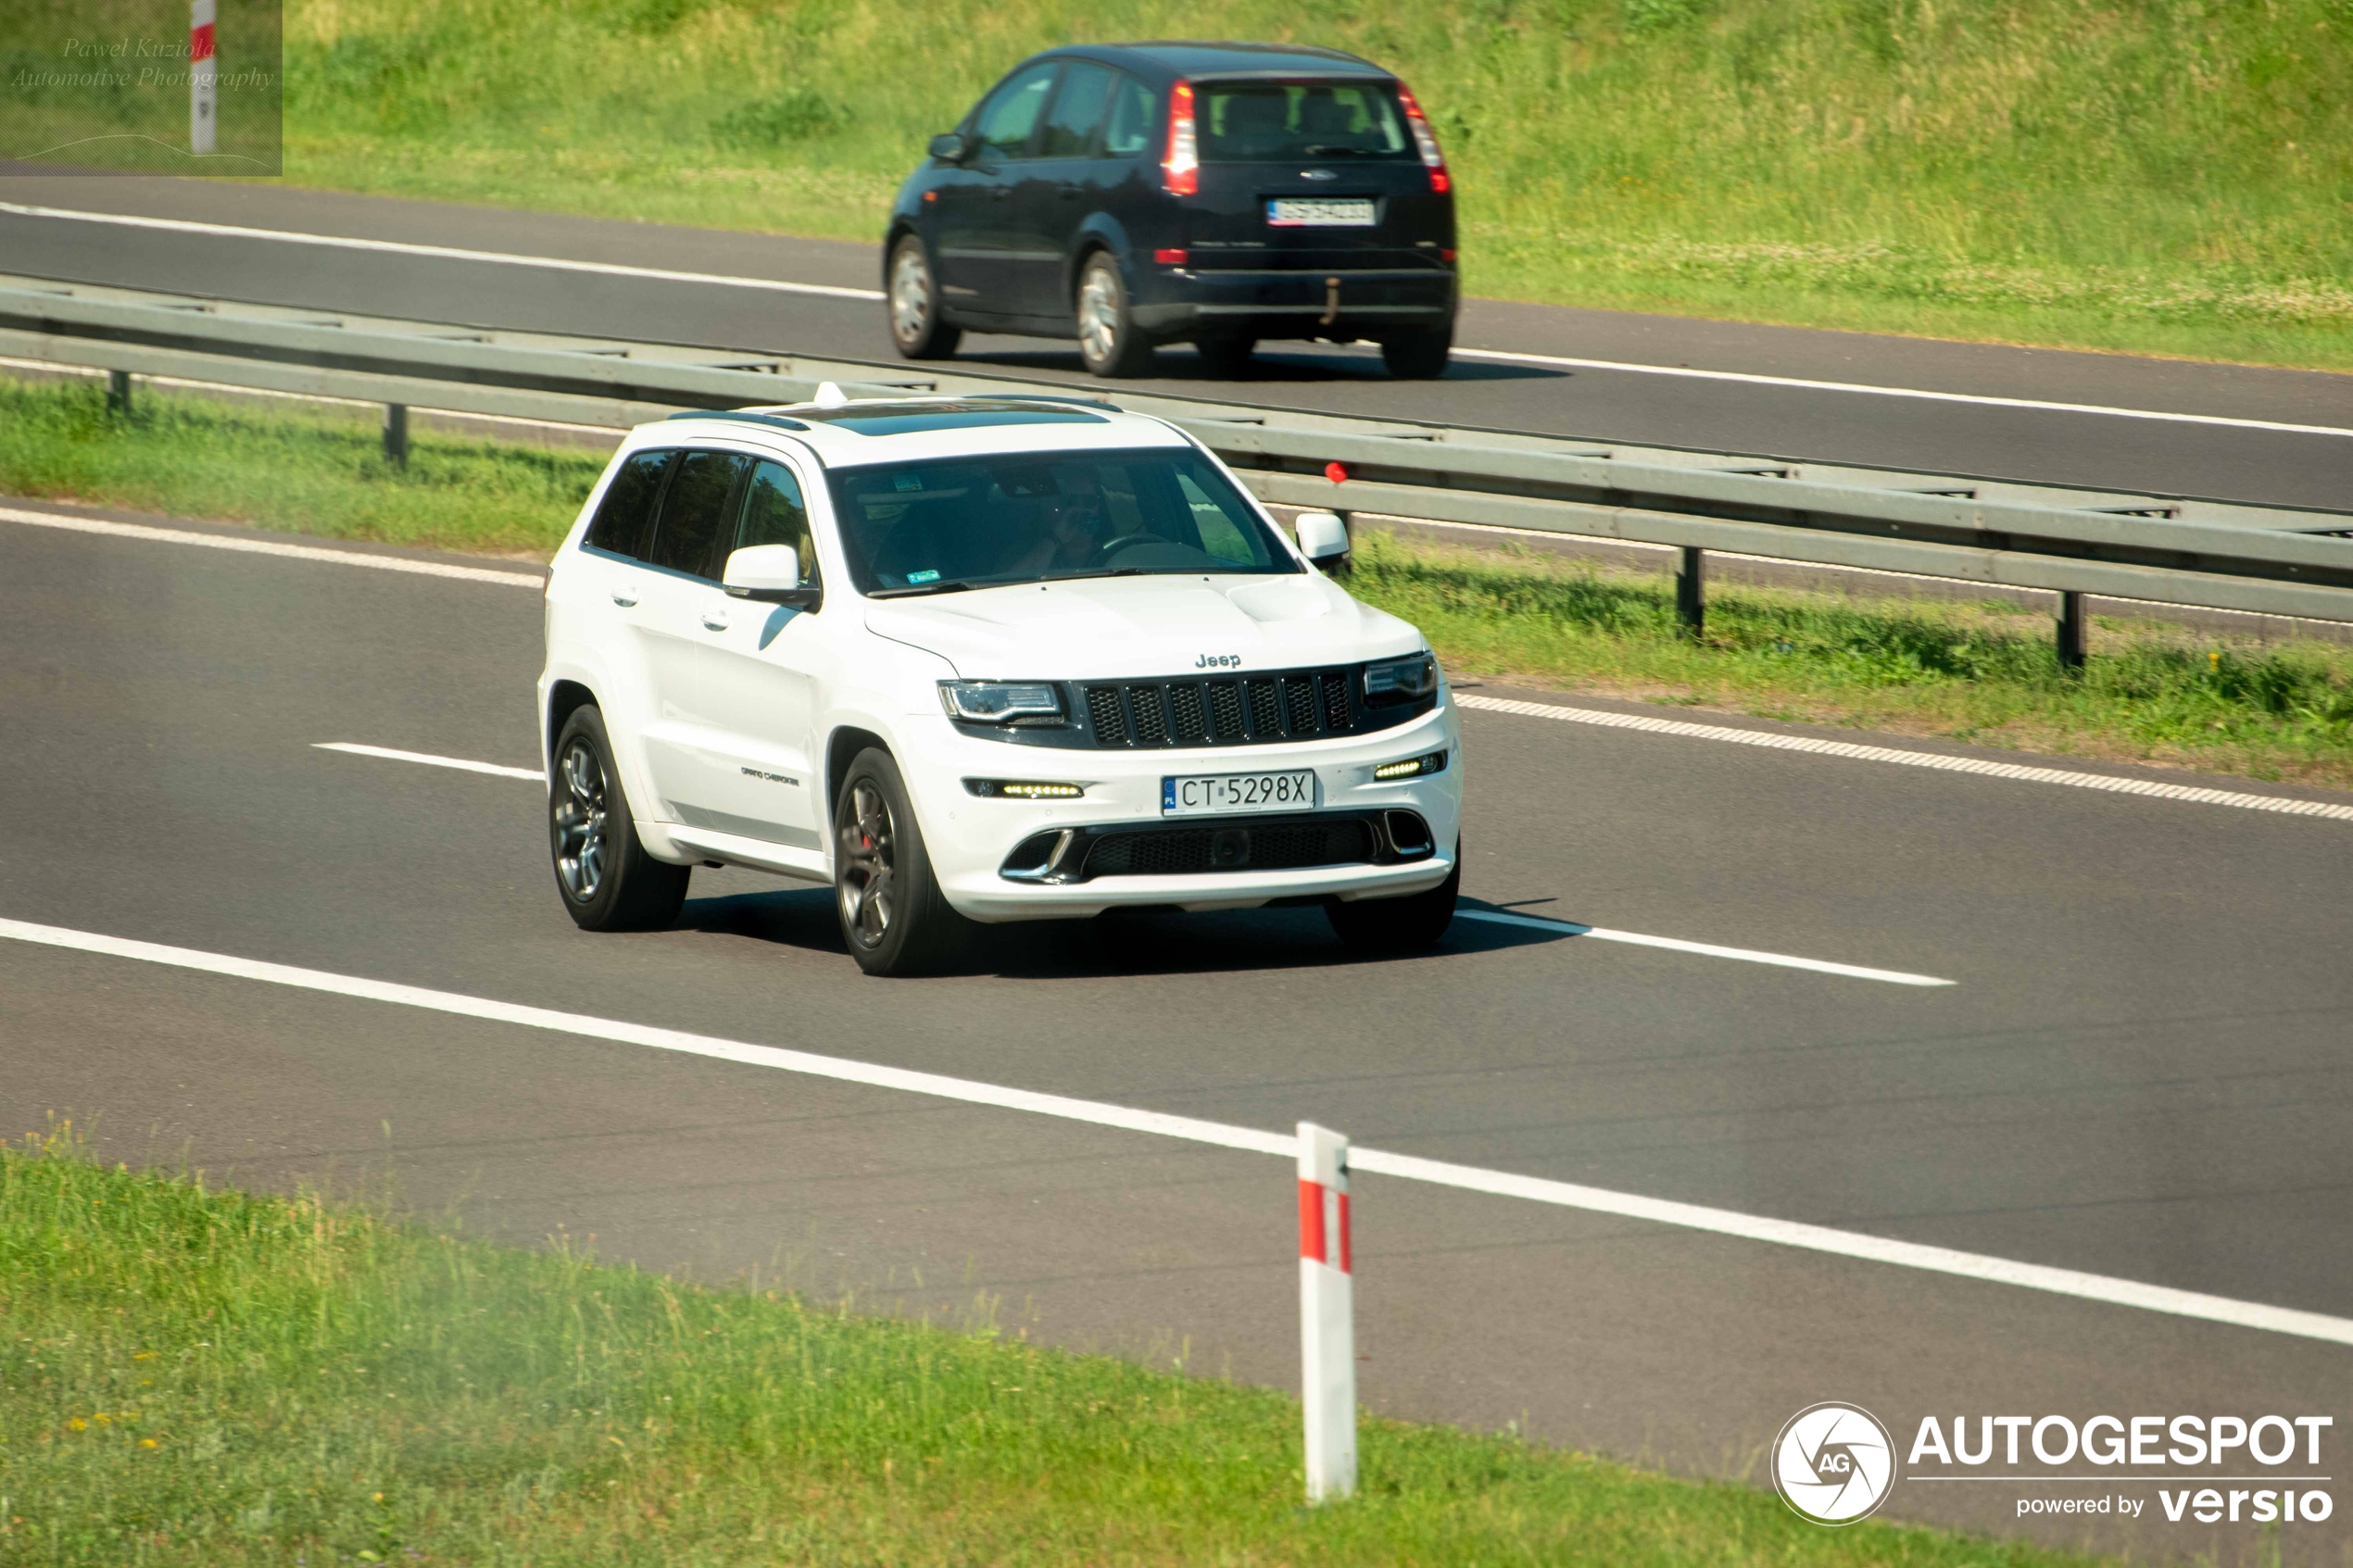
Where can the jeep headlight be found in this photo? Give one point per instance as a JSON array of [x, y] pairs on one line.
[[1400, 680], [1002, 702]]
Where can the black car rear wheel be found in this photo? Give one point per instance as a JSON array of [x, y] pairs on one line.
[[1108, 339], [1417, 354], [915, 325]]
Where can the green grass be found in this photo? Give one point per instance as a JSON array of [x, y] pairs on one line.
[[2158, 176], [201, 1377], [1983, 671], [301, 467]]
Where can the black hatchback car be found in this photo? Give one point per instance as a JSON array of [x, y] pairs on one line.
[[1140, 194]]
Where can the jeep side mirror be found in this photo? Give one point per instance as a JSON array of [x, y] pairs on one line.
[[769, 574], [948, 146], [1323, 539]]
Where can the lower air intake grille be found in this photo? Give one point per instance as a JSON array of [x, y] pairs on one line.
[[1191, 851]]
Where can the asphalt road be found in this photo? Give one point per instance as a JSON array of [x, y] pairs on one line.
[[2046, 445], [2140, 1071]]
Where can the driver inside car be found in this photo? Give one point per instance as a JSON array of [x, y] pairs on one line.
[[1075, 526]]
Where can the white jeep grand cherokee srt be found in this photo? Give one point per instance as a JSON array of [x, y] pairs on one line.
[[976, 659]]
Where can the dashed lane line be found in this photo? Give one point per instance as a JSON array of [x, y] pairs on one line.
[[1496, 917], [2194, 794], [1943, 1261]]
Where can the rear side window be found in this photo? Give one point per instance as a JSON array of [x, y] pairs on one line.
[[1133, 110], [1078, 111], [696, 505], [774, 514], [1269, 122], [624, 519], [1011, 114]]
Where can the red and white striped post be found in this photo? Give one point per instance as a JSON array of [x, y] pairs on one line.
[[1327, 1315], [202, 77]]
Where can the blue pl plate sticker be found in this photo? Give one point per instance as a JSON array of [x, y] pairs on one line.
[[1167, 793], [923, 577]]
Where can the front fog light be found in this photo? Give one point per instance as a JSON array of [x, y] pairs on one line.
[[1002, 702], [1412, 768], [1022, 789]]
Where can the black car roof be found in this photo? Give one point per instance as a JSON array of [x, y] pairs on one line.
[[1168, 58]]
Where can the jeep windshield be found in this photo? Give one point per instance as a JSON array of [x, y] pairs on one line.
[[1288, 121], [1040, 517]]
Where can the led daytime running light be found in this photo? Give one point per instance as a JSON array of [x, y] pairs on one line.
[[1412, 768], [1022, 789]]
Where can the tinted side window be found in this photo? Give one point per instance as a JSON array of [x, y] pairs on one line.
[[1078, 111], [774, 514], [625, 517], [1132, 119], [1012, 111], [696, 505]]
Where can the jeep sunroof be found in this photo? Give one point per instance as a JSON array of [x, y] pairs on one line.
[[903, 418]]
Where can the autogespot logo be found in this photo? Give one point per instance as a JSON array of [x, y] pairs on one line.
[[1833, 1464]]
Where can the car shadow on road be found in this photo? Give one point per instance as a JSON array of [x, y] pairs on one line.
[[1271, 366], [1136, 942]]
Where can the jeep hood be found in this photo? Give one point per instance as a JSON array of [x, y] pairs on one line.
[[1122, 627]]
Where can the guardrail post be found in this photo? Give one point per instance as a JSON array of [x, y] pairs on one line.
[[1691, 596], [2074, 631], [396, 434], [117, 391], [1327, 1315]]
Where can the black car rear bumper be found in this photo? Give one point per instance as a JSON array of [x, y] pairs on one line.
[[1185, 302]]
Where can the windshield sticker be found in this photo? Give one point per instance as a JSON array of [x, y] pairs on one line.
[[923, 577], [909, 481]]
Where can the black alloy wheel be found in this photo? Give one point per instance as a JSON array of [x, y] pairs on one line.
[[913, 295], [1418, 354], [894, 917], [608, 881], [1109, 340]]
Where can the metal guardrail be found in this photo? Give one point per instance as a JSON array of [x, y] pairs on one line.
[[2161, 549]]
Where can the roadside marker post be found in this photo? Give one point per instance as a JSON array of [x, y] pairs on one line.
[[1327, 1315], [202, 76]]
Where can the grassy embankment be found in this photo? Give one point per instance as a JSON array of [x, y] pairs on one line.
[[1983, 671], [2156, 176], [192, 1376]]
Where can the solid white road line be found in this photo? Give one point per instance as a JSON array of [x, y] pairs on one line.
[[1570, 928], [1706, 949], [430, 760], [1569, 1195], [672, 275], [444, 253], [531, 580], [1802, 384], [2194, 794]]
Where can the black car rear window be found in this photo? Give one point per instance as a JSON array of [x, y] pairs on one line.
[[1280, 122]]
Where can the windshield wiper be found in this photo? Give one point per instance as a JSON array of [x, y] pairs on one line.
[[953, 585]]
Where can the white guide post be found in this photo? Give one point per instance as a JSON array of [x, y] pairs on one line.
[[1327, 1315], [202, 75]]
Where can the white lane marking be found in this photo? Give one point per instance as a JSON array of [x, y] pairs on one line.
[[1600, 933], [1569, 1195], [2196, 794], [531, 580], [429, 760], [1706, 949], [446, 253], [1988, 400]]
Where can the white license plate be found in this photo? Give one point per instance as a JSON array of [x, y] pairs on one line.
[[1293, 212], [1215, 793]]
